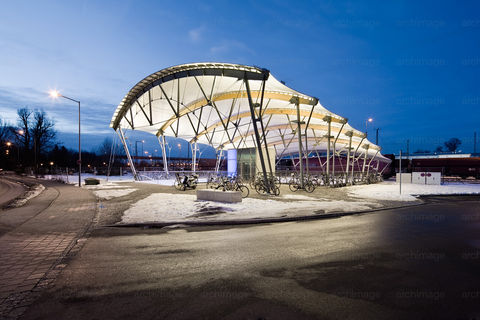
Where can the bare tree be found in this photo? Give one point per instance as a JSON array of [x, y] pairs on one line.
[[35, 133], [43, 132], [5, 132], [105, 148], [452, 144], [23, 134]]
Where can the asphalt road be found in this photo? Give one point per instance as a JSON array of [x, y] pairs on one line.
[[412, 263], [9, 190]]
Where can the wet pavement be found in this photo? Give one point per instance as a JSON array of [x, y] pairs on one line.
[[413, 263]]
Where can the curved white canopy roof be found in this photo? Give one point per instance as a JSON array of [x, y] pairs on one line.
[[208, 103]]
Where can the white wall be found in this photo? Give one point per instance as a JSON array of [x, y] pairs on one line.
[[426, 178], [406, 178]]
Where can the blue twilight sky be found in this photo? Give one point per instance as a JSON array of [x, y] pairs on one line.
[[414, 66]]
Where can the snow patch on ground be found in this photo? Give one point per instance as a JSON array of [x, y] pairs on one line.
[[115, 193], [164, 182], [391, 190], [298, 197], [104, 185], [73, 179], [32, 193], [169, 182], [165, 207]]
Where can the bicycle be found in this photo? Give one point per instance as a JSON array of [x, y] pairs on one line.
[[262, 188], [295, 184], [233, 184]]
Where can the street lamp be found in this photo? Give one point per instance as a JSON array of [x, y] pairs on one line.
[[56, 94], [7, 152], [366, 124]]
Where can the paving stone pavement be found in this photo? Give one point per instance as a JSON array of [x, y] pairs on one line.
[[31, 253]]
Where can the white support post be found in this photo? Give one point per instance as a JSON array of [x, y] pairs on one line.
[[353, 157], [350, 135], [164, 154], [400, 170], [335, 146], [194, 156], [219, 159], [127, 152], [368, 168], [329, 136], [365, 161], [300, 147]]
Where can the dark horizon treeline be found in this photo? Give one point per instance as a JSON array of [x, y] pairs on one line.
[[31, 145]]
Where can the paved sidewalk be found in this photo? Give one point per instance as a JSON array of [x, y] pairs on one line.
[[31, 252]]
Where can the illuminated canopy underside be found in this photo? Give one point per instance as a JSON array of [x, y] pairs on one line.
[[208, 103]]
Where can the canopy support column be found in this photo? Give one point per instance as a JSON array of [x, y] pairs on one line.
[[306, 141], [194, 156], [353, 160], [328, 119], [306, 154], [365, 161], [127, 152], [296, 101], [369, 162], [335, 145], [349, 134], [164, 154], [256, 119], [356, 150], [219, 159]]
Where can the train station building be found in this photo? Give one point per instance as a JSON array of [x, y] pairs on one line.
[[253, 120]]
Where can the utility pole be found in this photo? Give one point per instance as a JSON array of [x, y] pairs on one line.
[[376, 136], [475, 142], [400, 171], [408, 148]]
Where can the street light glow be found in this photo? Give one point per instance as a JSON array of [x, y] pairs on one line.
[[54, 94], [370, 119]]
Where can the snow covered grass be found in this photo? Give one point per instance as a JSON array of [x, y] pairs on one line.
[[169, 182], [109, 194], [165, 182], [165, 207], [105, 185], [32, 193], [298, 197], [391, 190], [73, 179]]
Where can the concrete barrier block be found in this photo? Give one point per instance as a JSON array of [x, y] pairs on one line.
[[406, 177], [219, 196]]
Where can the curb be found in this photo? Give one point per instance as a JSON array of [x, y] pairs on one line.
[[193, 223]]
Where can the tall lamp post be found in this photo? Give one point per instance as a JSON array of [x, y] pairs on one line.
[[56, 94], [366, 124]]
